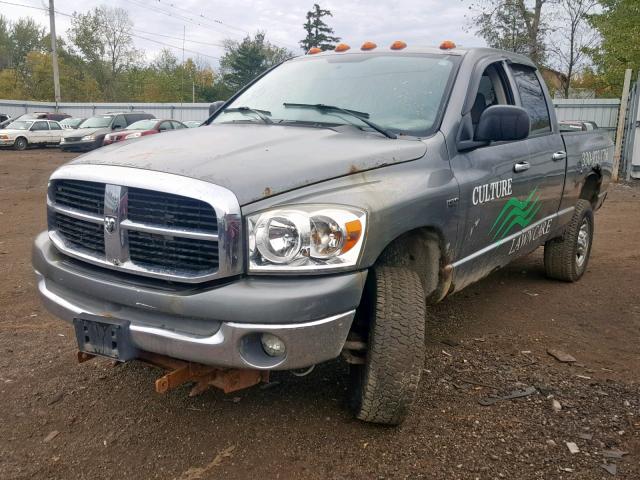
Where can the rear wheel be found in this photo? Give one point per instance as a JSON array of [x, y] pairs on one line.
[[384, 387], [20, 143], [566, 258]]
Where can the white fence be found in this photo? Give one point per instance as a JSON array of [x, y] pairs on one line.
[[602, 111], [176, 111]]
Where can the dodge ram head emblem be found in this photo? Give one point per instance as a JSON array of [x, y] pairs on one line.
[[109, 224]]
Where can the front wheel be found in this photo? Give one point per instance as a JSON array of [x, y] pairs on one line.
[[384, 387], [566, 258], [20, 143]]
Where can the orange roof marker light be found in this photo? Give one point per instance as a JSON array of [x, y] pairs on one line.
[[447, 45], [314, 50], [368, 46], [342, 47], [398, 45]]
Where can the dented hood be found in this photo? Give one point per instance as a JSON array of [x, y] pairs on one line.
[[257, 161]]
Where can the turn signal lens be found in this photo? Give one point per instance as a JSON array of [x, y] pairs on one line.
[[368, 46], [314, 50], [398, 45], [354, 231], [447, 45], [342, 47]]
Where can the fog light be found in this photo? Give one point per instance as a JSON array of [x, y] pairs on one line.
[[272, 345]]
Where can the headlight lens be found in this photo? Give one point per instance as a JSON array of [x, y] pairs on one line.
[[133, 135], [305, 238], [4, 137], [87, 138]]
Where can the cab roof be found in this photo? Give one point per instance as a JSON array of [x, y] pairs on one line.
[[472, 53]]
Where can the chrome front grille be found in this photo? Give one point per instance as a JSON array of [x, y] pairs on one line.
[[170, 253], [174, 211], [86, 196], [80, 234], [145, 222]]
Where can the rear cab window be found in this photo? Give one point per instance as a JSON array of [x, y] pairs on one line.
[[532, 98]]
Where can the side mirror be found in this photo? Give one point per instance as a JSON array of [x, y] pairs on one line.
[[215, 106], [501, 123]]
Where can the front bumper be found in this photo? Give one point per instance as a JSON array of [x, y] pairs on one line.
[[7, 142], [215, 325], [80, 146]]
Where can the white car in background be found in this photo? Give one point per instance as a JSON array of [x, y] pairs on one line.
[[22, 133]]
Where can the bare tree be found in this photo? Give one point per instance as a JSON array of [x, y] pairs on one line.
[[574, 37], [516, 25]]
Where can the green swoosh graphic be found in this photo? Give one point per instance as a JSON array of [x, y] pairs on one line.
[[516, 213]]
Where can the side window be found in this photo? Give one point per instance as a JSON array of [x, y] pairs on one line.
[[164, 126], [119, 122], [55, 126], [177, 125], [40, 126], [493, 90], [532, 98]]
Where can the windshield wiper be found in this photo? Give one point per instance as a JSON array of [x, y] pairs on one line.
[[362, 116], [262, 114]]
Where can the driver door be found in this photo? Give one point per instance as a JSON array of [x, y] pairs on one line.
[[39, 132]]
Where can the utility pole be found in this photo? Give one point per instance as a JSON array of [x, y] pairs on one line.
[[54, 53], [184, 35]]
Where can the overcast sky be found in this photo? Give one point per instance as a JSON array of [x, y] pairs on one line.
[[207, 23]]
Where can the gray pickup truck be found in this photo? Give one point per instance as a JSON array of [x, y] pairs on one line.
[[319, 212]]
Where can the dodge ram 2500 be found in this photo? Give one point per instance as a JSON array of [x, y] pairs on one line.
[[319, 212]]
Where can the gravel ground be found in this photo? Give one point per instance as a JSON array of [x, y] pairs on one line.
[[61, 420]]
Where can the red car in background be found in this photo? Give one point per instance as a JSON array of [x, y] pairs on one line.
[[142, 128]]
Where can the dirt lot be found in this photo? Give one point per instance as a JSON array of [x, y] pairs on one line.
[[491, 338]]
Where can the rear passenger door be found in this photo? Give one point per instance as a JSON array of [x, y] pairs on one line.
[[547, 158], [55, 132]]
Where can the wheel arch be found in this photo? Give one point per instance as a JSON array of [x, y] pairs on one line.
[[424, 251], [591, 188]]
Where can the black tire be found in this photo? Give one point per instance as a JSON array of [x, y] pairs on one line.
[[21, 143], [566, 258], [383, 389]]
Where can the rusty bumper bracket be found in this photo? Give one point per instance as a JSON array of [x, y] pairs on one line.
[[180, 372]]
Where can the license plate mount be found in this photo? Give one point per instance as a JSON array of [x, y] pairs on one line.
[[105, 337]]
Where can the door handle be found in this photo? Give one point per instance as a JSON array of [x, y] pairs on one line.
[[521, 166], [559, 156]]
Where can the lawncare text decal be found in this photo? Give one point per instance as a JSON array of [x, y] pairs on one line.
[[529, 236]]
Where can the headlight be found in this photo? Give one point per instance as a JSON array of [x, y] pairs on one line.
[[4, 137], [133, 135], [88, 138], [305, 238]]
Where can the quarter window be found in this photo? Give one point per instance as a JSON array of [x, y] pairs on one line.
[[54, 126], [532, 98]]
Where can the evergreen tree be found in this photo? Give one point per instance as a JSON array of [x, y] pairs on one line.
[[243, 61], [319, 34]]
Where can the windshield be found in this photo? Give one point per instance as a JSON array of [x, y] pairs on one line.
[[143, 125], [100, 121], [402, 93], [19, 125]]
